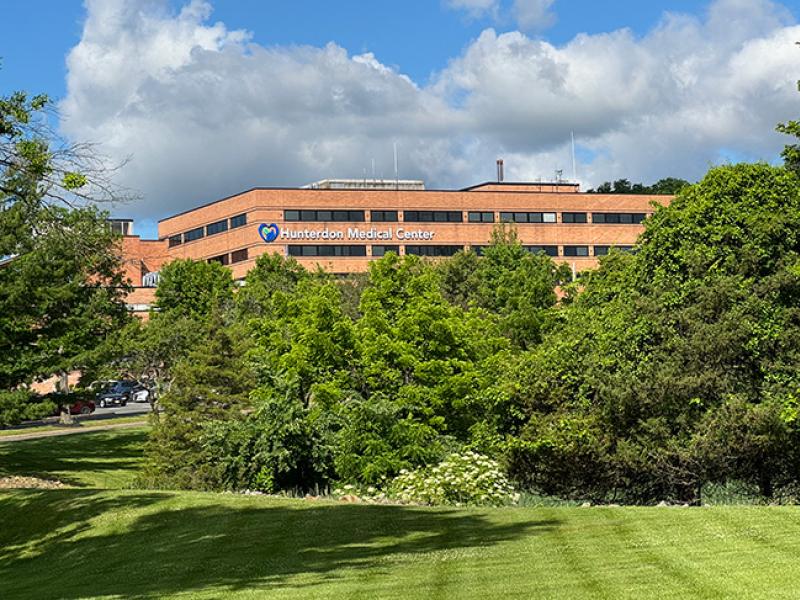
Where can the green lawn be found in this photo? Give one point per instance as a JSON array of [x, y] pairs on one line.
[[101, 459], [81, 543], [81, 423]]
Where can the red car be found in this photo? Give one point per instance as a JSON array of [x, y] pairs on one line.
[[79, 407], [82, 407]]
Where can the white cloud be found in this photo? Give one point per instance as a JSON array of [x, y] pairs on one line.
[[204, 112], [533, 15]]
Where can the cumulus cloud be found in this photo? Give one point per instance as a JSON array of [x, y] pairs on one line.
[[204, 112]]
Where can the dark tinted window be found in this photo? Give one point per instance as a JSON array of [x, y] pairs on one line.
[[194, 234], [433, 216], [239, 255], [433, 250], [383, 216], [548, 250], [573, 217], [323, 215], [238, 221], [576, 250], [327, 250], [382, 250], [618, 218], [603, 250], [217, 227], [221, 259], [175, 240], [481, 217], [527, 217]]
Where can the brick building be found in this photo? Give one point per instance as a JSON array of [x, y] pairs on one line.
[[341, 225]]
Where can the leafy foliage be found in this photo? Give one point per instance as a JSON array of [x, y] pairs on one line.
[[61, 287], [468, 479]]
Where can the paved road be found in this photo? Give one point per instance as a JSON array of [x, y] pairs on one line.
[[101, 414], [132, 408]]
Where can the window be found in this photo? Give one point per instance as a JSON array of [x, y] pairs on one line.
[[618, 218], [433, 250], [383, 216], [238, 220], [548, 250], [327, 250], [120, 227], [382, 250], [573, 217], [221, 259], [217, 227], [527, 217], [194, 234], [175, 240], [603, 250], [481, 217], [239, 255], [347, 216], [433, 216], [576, 250]]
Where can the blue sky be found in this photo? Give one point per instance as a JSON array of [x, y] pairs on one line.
[[416, 36], [320, 89]]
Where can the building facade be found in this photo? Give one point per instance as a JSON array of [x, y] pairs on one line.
[[340, 225]]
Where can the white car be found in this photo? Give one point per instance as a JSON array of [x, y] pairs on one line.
[[141, 396]]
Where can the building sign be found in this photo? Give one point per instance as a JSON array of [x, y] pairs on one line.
[[270, 233]]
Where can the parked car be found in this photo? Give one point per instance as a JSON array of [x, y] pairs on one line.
[[141, 395], [80, 406], [117, 393]]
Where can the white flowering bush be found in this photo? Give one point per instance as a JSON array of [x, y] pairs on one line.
[[468, 479]]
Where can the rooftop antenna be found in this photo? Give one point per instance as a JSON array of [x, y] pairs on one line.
[[373, 168], [396, 176], [559, 174], [574, 167]]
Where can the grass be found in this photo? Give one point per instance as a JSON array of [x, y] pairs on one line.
[[100, 459], [80, 424], [112, 543]]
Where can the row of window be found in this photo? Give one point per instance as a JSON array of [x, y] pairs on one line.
[[327, 250], [409, 216], [228, 259], [456, 216], [331, 250], [346, 216], [210, 229]]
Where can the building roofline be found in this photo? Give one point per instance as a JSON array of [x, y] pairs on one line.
[[518, 184], [339, 191]]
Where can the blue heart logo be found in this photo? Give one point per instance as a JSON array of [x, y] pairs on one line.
[[269, 233]]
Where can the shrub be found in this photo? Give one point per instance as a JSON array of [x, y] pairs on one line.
[[468, 479]]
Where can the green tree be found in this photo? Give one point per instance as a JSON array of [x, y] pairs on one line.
[[212, 384], [61, 288], [150, 351], [193, 289], [648, 356], [518, 286]]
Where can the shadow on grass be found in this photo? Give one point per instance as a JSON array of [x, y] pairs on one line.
[[172, 543], [67, 458]]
